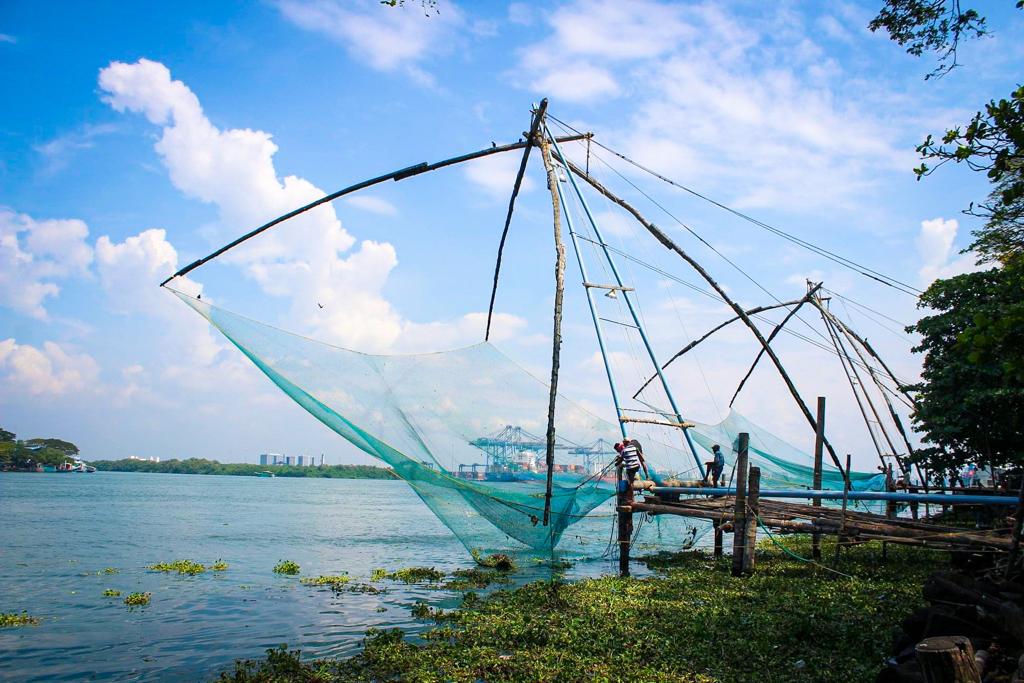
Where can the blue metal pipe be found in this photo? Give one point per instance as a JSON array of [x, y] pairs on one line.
[[809, 494], [629, 302]]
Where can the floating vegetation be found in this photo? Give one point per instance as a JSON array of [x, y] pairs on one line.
[[334, 582], [137, 599], [494, 561], [111, 593], [111, 570], [467, 579], [409, 575], [11, 619], [286, 567], [367, 588], [219, 566], [181, 566], [378, 575]]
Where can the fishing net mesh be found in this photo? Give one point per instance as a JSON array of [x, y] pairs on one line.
[[461, 428]]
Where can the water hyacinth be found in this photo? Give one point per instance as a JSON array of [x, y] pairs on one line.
[[137, 599], [286, 567], [12, 619], [181, 566], [111, 593]]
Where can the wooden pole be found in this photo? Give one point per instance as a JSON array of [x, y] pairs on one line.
[[819, 435], [716, 328], [718, 538], [556, 342], [890, 507], [771, 337], [625, 521], [534, 124], [1018, 523], [842, 523], [947, 659], [750, 540], [739, 528], [669, 244]]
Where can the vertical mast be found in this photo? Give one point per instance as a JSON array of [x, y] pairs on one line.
[[629, 305]]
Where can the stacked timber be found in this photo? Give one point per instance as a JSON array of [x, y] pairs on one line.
[[973, 630]]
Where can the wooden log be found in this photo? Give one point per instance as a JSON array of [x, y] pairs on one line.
[[750, 541], [819, 435], [947, 659], [556, 339], [739, 533]]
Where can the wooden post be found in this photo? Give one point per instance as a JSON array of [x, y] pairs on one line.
[[842, 523], [750, 541], [947, 659], [819, 436], [625, 518], [556, 337], [890, 507], [718, 538], [739, 528]]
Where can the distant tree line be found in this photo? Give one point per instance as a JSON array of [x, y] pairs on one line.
[[204, 466], [16, 454]]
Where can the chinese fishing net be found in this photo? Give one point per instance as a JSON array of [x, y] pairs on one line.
[[460, 428]]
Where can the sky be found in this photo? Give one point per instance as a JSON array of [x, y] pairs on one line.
[[137, 138]]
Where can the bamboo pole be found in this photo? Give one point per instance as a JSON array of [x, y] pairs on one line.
[[538, 115], [669, 244], [556, 342], [774, 333], [819, 435], [716, 328], [400, 174]]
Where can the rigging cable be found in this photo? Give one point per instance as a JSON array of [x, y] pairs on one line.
[[821, 251]]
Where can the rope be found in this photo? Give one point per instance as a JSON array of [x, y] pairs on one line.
[[821, 251], [789, 552]]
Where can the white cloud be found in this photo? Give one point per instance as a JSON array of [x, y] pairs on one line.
[[47, 370], [373, 204], [935, 246], [311, 260], [34, 255], [7, 38], [57, 152], [496, 174], [388, 39], [748, 108]]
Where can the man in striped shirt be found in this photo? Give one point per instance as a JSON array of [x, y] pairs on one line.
[[631, 456]]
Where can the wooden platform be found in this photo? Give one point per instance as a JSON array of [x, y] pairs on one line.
[[783, 517]]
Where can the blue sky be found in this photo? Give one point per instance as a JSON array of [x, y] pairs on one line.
[[135, 139]]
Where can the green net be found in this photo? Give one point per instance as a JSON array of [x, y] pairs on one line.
[[461, 428]]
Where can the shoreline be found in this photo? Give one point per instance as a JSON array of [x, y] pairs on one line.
[[690, 621]]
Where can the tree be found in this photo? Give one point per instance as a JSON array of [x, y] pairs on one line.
[[6, 435], [970, 404], [971, 399], [65, 447]]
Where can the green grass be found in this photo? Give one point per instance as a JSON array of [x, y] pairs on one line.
[[111, 593], [12, 619], [409, 575], [326, 580], [137, 599], [691, 621], [181, 566], [286, 567]]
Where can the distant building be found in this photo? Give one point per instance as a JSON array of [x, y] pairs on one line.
[[151, 458], [289, 460], [301, 461], [271, 458]]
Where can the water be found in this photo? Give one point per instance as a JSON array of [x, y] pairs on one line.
[[58, 530]]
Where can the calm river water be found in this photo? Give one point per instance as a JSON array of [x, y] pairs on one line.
[[58, 530]]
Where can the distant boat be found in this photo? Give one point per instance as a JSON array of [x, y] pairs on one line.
[[78, 466], [265, 473]]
